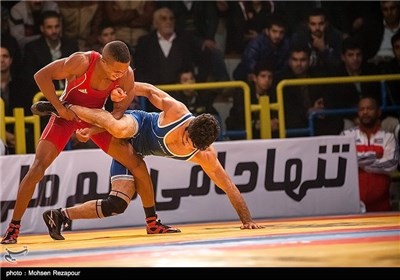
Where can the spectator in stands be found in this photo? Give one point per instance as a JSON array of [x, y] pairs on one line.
[[261, 84], [131, 19], [10, 40], [200, 19], [377, 156], [393, 87], [106, 34], [25, 19], [50, 46], [323, 39], [270, 45], [78, 20], [7, 84], [347, 95], [245, 20], [375, 35], [300, 101], [197, 102], [160, 55], [13, 96], [295, 13]]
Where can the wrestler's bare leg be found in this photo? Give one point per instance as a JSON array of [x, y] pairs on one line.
[[123, 128], [46, 153], [88, 209], [122, 151]]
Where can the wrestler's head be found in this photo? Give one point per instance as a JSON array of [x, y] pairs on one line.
[[115, 59], [203, 130]]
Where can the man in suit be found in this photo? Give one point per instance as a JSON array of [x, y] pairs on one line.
[[49, 47], [160, 55]]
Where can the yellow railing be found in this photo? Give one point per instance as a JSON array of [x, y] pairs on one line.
[[39, 96], [19, 120], [218, 85], [264, 106], [319, 81]]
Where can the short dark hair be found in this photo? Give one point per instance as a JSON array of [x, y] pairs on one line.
[[372, 98], [203, 131], [264, 65], [318, 12], [49, 14], [299, 47], [276, 19], [118, 50], [104, 25], [350, 43]]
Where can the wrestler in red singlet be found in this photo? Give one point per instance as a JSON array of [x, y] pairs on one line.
[[59, 130]]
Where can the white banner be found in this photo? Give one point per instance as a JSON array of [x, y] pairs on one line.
[[278, 178]]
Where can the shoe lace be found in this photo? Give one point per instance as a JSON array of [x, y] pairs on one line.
[[158, 223]]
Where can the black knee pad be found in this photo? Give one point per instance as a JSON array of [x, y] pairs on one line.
[[113, 205]]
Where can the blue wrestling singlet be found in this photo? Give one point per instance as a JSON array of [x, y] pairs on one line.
[[150, 140]]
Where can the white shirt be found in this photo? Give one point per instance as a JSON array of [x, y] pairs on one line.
[[165, 44]]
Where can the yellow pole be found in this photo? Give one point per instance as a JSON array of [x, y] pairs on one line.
[[35, 121], [19, 131], [265, 118]]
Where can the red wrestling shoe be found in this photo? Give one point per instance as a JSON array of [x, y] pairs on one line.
[[11, 235], [155, 226]]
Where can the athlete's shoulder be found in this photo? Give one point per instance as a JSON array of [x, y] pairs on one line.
[[79, 59], [205, 158]]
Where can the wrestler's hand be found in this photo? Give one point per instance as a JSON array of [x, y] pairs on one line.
[[118, 94], [67, 114], [83, 134], [251, 225]]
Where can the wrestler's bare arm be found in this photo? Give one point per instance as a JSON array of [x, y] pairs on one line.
[[209, 162], [160, 99], [65, 68], [127, 84]]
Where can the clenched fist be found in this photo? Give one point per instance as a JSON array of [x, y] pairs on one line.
[[118, 94]]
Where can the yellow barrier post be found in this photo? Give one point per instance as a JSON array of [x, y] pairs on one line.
[[19, 131], [35, 121], [263, 108], [265, 118]]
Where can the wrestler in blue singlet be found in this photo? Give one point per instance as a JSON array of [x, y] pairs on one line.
[[150, 140]]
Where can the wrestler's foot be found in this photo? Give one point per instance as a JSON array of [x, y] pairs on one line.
[[45, 108], [11, 235], [54, 220], [155, 226]]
